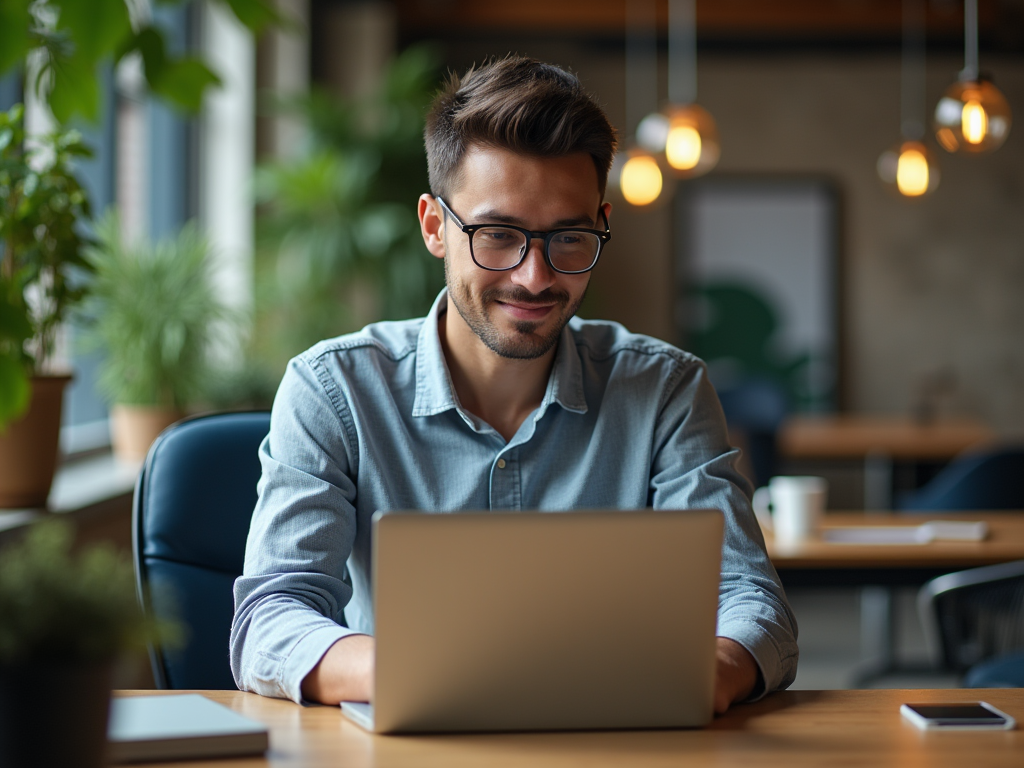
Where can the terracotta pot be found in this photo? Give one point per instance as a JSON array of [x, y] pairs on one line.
[[133, 428], [54, 714], [29, 446]]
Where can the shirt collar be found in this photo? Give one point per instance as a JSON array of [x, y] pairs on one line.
[[435, 392]]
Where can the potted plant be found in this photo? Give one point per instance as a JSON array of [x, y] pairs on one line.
[[153, 312], [43, 276], [64, 622]]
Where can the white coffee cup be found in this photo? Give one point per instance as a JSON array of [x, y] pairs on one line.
[[796, 505]]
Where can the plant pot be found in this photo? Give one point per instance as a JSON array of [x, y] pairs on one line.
[[133, 428], [29, 446], [54, 714]]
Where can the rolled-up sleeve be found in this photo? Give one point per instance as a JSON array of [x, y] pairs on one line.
[[695, 468], [290, 599]]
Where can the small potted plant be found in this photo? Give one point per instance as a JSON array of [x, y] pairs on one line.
[[153, 312], [43, 276], [64, 622]]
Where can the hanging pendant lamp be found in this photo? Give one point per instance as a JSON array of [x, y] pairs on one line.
[[636, 171], [972, 116], [684, 131], [910, 168]]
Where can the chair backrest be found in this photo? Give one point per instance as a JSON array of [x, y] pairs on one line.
[[974, 615], [193, 503], [754, 408], [990, 480]]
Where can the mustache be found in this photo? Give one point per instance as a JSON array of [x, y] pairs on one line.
[[520, 295]]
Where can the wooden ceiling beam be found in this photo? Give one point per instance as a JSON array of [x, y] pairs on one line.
[[715, 18]]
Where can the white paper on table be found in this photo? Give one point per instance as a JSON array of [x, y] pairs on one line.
[[933, 530]]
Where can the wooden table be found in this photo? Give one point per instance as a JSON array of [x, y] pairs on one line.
[[791, 729], [820, 563], [879, 442], [852, 436]]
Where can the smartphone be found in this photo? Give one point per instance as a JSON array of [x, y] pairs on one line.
[[966, 716]]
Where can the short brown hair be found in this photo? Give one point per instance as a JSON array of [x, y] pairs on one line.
[[519, 104]]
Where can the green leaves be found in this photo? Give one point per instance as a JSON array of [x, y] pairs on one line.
[[153, 312], [340, 240], [256, 15], [97, 27], [15, 20], [181, 81], [15, 330], [41, 249], [56, 605], [81, 36]]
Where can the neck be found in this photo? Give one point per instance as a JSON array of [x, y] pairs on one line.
[[499, 390]]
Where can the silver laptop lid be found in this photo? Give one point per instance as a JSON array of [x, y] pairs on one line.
[[529, 620]]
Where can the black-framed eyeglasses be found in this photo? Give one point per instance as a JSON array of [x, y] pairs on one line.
[[501, 247]]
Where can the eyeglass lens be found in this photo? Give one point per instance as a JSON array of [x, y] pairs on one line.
[[503, 248]]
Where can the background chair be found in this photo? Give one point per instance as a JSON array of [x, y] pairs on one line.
[[1001, 672], [976, 616], [990, 480], [754, 409], [193, 502]]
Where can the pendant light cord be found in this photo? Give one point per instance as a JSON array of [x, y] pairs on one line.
[[641, 61], [682, 51], [970, 70], [913, 105]]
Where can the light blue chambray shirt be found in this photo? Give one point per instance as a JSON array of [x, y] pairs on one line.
[[370, 421]]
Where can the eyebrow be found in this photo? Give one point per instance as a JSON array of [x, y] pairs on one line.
[[492, 216]]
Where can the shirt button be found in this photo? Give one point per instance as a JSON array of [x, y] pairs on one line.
[[501, 463]]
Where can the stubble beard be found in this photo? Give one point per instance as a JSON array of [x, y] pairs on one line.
[[522, 343]]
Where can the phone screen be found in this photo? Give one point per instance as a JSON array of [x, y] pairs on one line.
[[958, 714]]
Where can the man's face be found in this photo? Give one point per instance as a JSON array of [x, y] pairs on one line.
[[519, 313]]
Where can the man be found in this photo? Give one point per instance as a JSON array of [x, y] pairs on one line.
[[498, 399]]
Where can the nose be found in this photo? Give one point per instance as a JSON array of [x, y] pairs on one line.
[[533, 273]]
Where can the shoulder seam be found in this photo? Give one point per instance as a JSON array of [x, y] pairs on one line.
[[337, 398], [318, 352], [679, 355]]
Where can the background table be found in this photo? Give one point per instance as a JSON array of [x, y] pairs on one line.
[[878, 568], [791, 729], [821, 563], [879, 442]]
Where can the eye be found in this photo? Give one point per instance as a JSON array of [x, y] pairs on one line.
[[568, 238]]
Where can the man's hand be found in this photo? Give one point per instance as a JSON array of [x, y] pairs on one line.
[[736, 673], [345, 673]]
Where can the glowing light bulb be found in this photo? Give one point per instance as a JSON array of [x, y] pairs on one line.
[[974, 122], [682, 149], [641, 180], [972, 116], [912, 173], [909, 169]]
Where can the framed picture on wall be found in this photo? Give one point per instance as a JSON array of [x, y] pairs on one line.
[[758, 270]]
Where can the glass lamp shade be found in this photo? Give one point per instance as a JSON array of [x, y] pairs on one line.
[[972, 116], [638, 176], [909, 169], [686, 134]]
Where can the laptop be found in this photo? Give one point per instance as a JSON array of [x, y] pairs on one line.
[[524, 621]]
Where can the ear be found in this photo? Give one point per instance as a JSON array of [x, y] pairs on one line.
[[607, 208], [432, 225]]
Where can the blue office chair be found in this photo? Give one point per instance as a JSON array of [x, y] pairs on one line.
[[976, 619], [193, 502], [990, 480], [756, 407]]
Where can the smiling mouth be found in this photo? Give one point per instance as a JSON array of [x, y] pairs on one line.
[[522, 311]]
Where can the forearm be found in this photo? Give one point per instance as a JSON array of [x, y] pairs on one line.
[[736, 674], [345, 673]]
